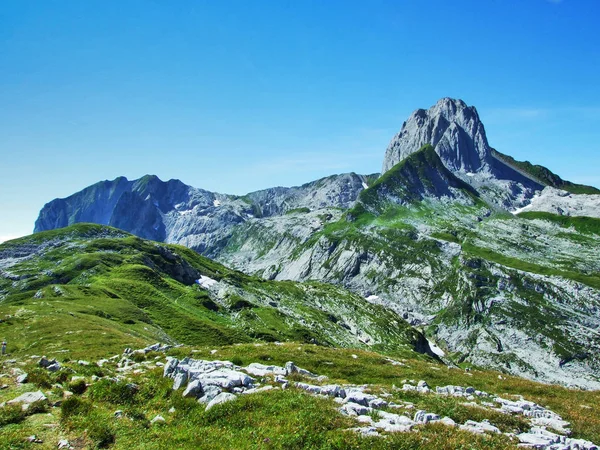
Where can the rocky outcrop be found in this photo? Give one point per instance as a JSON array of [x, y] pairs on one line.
[[563, 203], [371, 411], [452, 128]]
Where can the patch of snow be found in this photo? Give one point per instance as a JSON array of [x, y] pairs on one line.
[[470, 174], [435, 349], [216, 203], [365, 185], [526, 207], [372, 298], [206, 282]]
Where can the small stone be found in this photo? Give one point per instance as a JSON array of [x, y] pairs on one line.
[[448, 422], [158, 420], [290, 368], [63, 443], [44, 362], [179, 380], [23, 378], [193, 389], [29, 397], [210, 392], [425, 417], [53, 367], [118, 413], [172, 410], [223, 397]]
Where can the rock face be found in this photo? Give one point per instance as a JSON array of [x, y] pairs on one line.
[[174, 212], [458, 136], [563, 203], [452, 128]]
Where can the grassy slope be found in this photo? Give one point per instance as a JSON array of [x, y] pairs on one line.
[[587, 225], [279, 419], [545, 176], [411, 177], [88, 285]]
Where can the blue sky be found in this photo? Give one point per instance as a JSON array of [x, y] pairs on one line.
[[234, 96]]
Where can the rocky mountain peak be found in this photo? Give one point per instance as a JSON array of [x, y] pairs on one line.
[[455, 131]]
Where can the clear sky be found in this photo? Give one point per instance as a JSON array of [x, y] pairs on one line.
[[235, 96]]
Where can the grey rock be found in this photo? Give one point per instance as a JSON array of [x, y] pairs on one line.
[[355, 409], [309, 388], [366, 431], [22, 378], [359, 398], [179, 380], [193, 389], [333, 390], [210, 392], [158, 420], [63, 444], [479, 427], [45, 362], [260, 370], [226, 379], [258, 390], [170, 366], [55, 367], [290, 368], [425, 417], [447, 421], [223, 397], [28, 398]]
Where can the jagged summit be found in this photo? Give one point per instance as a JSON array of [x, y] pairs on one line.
[[452, 128]]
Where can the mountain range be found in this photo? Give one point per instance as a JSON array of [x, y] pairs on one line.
[[492, 259]]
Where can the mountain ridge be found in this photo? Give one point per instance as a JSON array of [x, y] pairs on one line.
[[439, 246]]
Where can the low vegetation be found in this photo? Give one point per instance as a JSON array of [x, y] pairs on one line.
[[118, 414]]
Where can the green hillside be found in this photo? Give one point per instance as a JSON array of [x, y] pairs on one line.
[[88, 288], [545, 176]]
